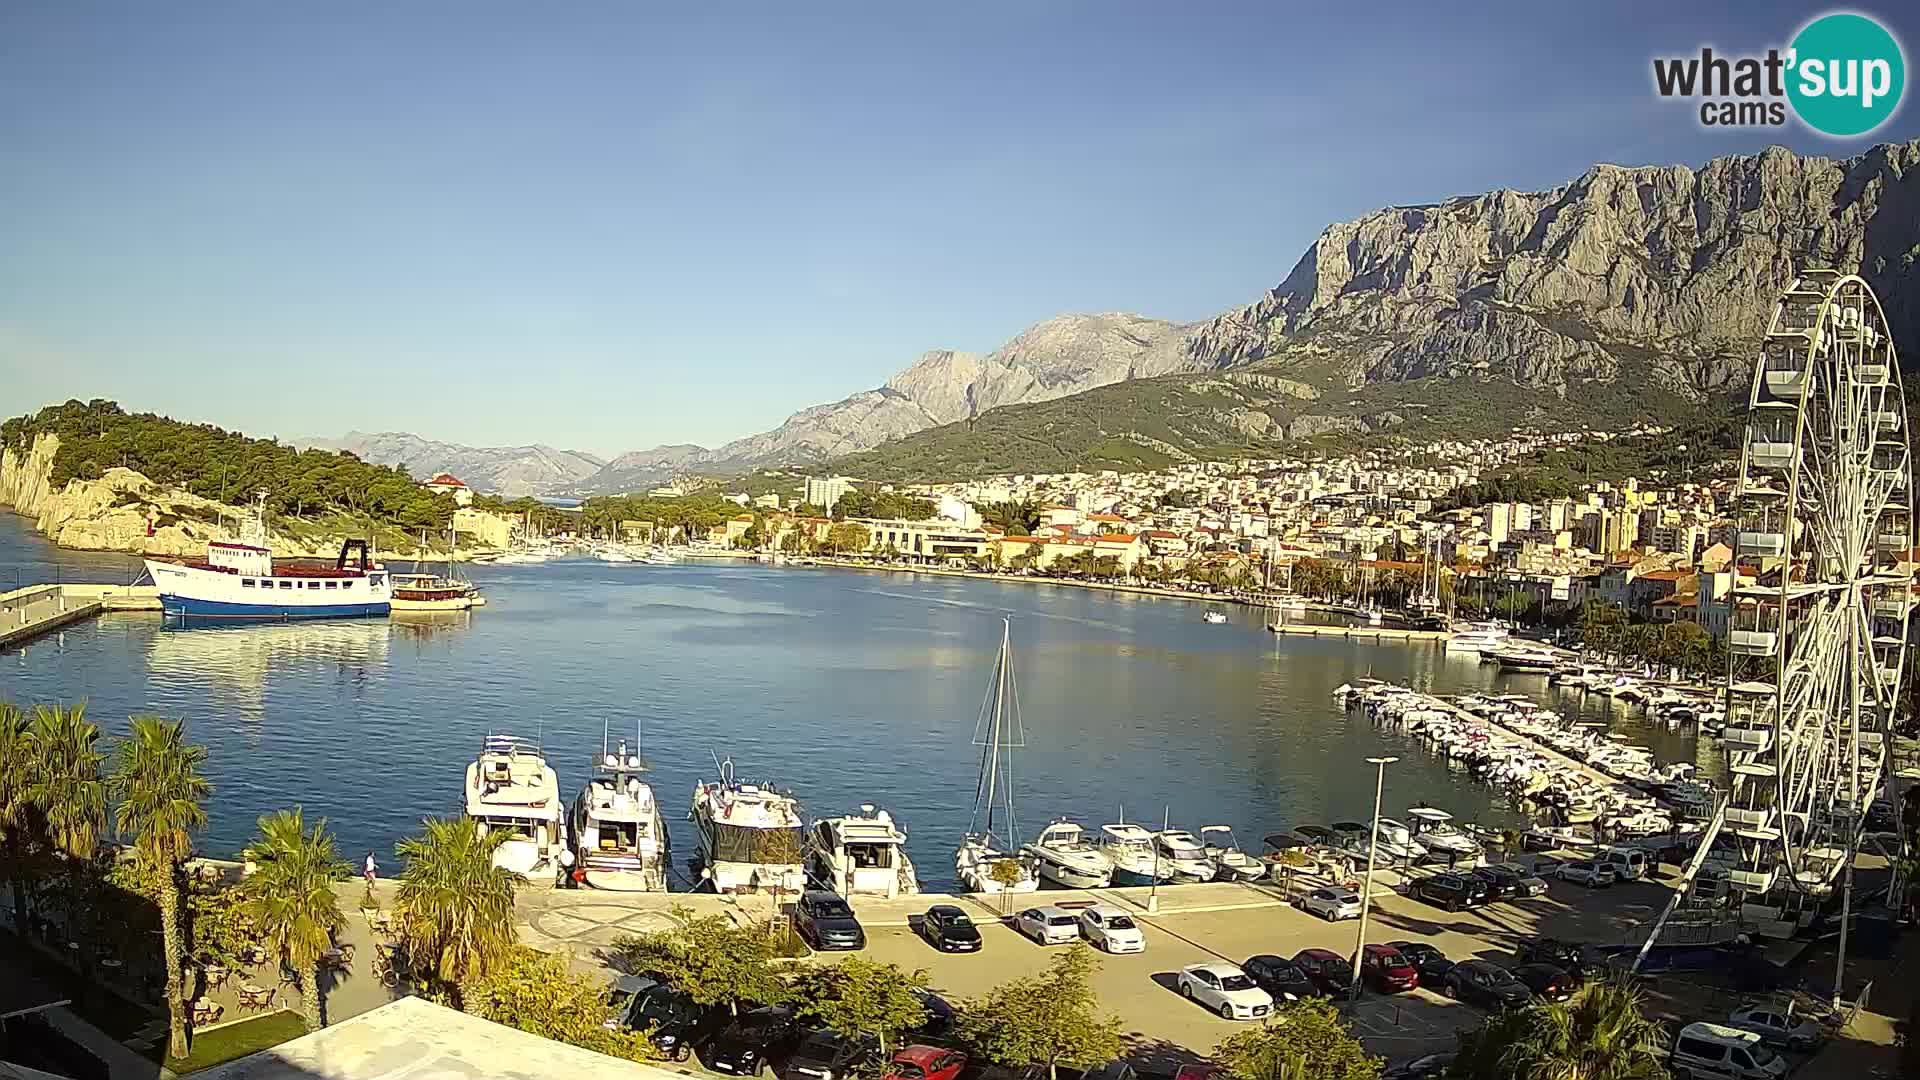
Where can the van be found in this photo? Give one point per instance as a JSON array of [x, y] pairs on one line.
[[1718, 1052], [1629, 864]]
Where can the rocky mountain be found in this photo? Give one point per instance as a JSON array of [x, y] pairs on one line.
[[1624, 291], [503, 470]]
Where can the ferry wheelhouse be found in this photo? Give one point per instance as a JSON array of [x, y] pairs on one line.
[[751, 837], [620, 838], [242, 580], [510, 788]]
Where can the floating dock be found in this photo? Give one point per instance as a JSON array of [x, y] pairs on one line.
[[39, 609]]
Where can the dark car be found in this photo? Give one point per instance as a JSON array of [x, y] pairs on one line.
[[1430, 1067], [826, 922], [1281, 978], [673, 1021], [1431, 963], [1328, 970], [1491, 986], [753, 1042], [1384, 968], [828, 1055], [1502, 882], [1568, 956], [1454, 892], [1547, 982], [948, 929]]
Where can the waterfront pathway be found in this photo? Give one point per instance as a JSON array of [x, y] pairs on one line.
[[38, 609]]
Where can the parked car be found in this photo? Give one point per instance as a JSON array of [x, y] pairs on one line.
[[1777, 1027], [826, 922], [1547, 982], [1109, 929], [1581, 960], [1331, 904], [1718, 1052], [752, 1042], [1588, 872], [1387, 970], [828, 1055], [674, 1022], [948, 929], [1328, 970], [1522, 882], [1225, 989], [1453, 892], [1628, 864], [1048, 925], [1430, 962], [1430, 1067], [1281, 978], [1491, 986], [926, 1063]]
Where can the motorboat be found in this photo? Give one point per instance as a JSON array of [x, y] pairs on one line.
[[1135, 861], [1215, 617], [750, 836], [1476, 637], [1435, 830], [620, 837], [1184, 855], [1528, 661], [1397, 842], [1063, 855], [981, 862], [510, 789], [862, 854], [1229, 862]]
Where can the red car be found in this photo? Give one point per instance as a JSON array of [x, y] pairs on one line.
[[1387, 969], [926, 1063]]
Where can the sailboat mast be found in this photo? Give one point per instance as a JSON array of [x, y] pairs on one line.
[[993, 730]]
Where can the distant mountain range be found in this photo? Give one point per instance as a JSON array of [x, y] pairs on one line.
[[1624, 293], [504, 470]]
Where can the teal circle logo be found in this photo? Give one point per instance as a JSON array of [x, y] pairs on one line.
[[1847, 74]]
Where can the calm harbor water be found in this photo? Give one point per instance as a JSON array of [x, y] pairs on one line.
[[845, 687]]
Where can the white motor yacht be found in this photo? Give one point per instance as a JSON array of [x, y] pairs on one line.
[[862, 854], [511, 789], [1436, 831], [1184, 855], [1130, 849], [619, 835], [750, 836], [1476, 637], [1214, 617], [1064, 856], [1229, 862]]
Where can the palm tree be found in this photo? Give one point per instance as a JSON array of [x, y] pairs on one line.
[[16, 772], [456, 906], [162, 804], [1599, 1035], [70, 796], [290, 898]]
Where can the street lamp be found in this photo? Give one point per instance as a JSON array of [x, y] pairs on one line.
[[1366, 887]]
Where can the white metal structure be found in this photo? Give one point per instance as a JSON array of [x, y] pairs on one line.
[[1822, 596]]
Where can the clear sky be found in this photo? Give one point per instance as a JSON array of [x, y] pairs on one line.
[[610, 225]]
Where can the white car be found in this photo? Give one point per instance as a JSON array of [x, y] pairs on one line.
[[1111, 930], [1225, 989], [1048, 925], [1776, 1028], [1332, 904], [1594, 875]]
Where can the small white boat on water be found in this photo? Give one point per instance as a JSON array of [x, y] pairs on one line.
[[1229, 862], [1435, 830], [1063, 855], [1131, 851], [619, 835], [1215, 617], [510, 788], [982, 862], [1183, 855], [862, 854]]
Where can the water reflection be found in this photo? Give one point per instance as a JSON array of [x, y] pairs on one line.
[[239, 660]]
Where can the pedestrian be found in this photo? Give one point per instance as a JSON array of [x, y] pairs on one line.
[[566, 869], [372, 870]]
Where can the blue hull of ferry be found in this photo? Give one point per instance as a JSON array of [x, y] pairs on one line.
[[214, 609]]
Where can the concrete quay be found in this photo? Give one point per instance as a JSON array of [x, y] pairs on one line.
[[38, 609], [1376, 633]]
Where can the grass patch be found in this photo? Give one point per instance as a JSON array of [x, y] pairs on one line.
[[222, 1045]]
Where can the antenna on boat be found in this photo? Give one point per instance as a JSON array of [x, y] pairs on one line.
[[604, 725]]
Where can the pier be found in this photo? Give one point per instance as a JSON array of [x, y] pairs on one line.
[[38, 609], [1375, 633]]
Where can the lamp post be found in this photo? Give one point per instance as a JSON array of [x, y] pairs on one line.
[[1366, 884]]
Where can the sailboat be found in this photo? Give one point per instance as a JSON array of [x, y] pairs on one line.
[[981, 850], [424, 591]]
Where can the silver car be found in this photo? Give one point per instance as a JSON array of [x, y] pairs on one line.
[[1332, 904], [1048, 925], [1594, 875], [1776, 1027]]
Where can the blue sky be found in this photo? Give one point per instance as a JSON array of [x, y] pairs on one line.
[[607, 226]]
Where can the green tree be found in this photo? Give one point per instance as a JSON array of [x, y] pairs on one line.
[[1601, 1034], [714, 961], [1303, 1039], [538, 993], [1049, 1019], [16, 805], [860, 997], [846, 536], [1006, 873], [69, 797], [162, 803], [290, 898], [455, 905], [1014, 518]]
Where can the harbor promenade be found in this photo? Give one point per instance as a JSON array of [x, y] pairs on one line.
[[37, 609]]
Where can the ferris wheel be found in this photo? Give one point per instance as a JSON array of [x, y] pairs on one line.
[[1821, 592]]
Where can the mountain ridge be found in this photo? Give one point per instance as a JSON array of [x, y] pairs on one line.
[[534, 469]]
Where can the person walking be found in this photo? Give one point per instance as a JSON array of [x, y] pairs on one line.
[[372, 871]]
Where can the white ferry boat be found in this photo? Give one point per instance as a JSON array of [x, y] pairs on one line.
[[750, 836], [510, 787], [619, 836], [242, 580], [862, 854]]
